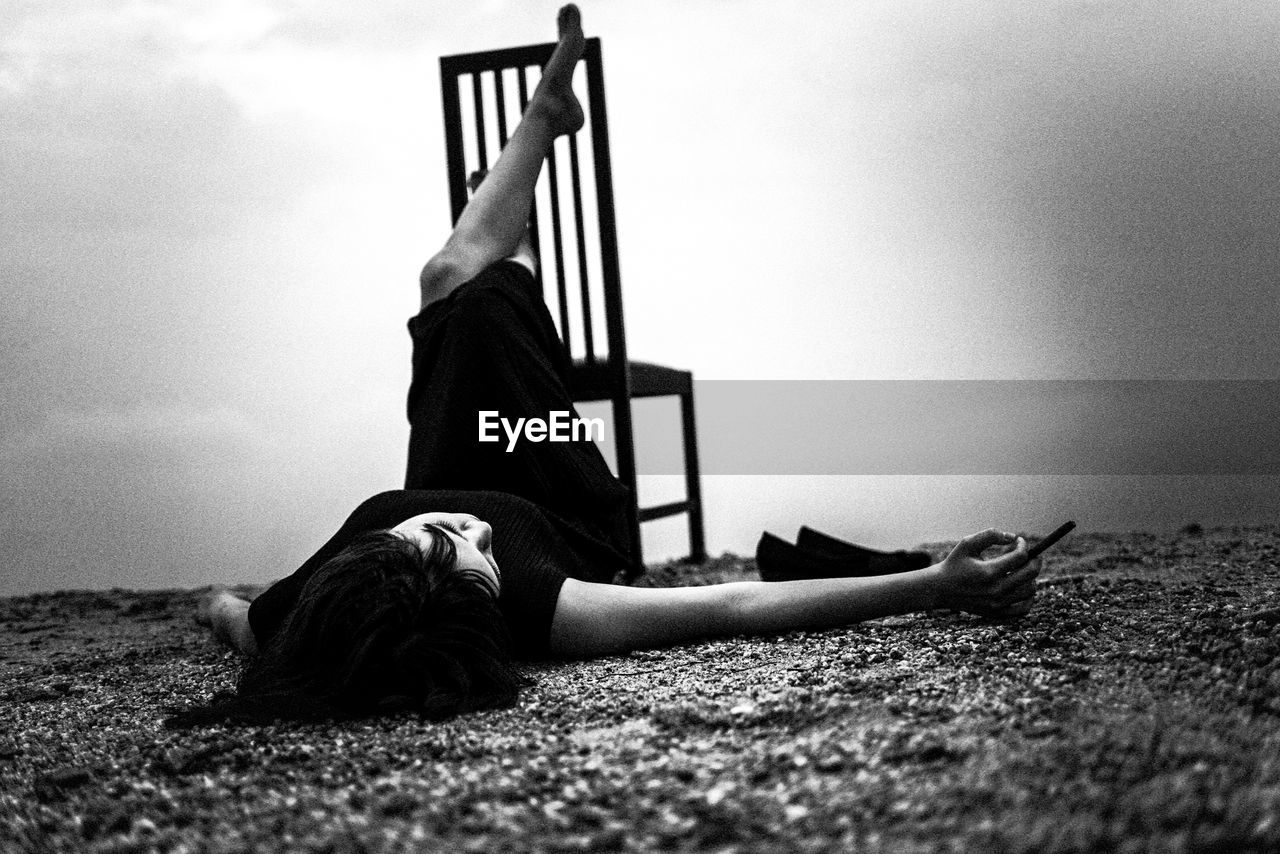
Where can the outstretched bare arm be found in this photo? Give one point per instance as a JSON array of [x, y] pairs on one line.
[[602, 619]]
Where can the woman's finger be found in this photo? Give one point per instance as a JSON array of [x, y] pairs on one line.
[[1018, 585], [976, 544], [1020, 576], [1024, 590], [1016, 559]]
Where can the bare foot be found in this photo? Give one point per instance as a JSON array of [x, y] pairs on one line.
[[217, 596], [204, 607], [226, 614], [554, 98]]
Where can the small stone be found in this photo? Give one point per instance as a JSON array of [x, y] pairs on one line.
[[1267, 616], [795, 812], [610, 839], [54, 784], [398, 803], [718, 792], [830, 762]]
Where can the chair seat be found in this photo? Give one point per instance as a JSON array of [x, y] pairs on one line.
[[589, 381]]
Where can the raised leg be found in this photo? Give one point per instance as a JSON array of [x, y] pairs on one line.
[[495, 220], [524, 253]]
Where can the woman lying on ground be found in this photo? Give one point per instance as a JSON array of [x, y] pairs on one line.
[[424, 597]]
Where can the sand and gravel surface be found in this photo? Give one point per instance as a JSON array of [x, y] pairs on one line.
[[1136, 709]]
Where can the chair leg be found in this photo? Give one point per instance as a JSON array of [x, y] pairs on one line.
[[692, 479], [637, 567], [625, 448]]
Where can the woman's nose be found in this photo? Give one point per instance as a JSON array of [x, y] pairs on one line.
[[483, 535]]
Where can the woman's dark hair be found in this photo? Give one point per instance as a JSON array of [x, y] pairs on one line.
[[382, 627]]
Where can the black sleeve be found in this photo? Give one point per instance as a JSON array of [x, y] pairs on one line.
[[528, 603]]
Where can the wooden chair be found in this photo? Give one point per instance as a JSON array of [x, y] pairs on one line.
[[481, 83]]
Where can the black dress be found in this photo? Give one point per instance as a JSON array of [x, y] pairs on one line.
[[557, 511]]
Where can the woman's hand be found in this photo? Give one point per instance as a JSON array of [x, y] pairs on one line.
[[1002, 586]]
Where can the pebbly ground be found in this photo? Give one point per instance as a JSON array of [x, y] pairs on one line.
[[1136, 709]]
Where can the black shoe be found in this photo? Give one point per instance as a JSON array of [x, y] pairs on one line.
[[877, 562], [778, 560]]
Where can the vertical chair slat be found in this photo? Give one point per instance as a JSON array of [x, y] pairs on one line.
[[582, 248], [557, 242], [481, 152], [522, 88], [453, 142], [500, 97]]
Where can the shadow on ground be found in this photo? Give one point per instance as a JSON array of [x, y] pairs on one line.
[[1137, 708]]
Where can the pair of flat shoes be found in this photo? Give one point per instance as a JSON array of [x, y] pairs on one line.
[[819, 555]]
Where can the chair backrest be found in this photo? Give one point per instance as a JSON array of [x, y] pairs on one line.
[[479, 109]]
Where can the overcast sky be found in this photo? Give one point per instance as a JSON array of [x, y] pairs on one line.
[[214, 215]]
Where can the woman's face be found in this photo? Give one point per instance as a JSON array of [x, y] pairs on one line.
[[472, 539]]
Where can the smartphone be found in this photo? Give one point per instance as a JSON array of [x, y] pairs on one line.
[[1036, 550]]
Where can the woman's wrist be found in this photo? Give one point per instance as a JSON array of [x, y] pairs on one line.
[[932, 588]]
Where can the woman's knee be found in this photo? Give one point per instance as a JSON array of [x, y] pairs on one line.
[[439, 278], [445, 272]]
